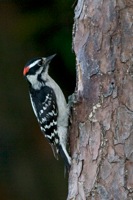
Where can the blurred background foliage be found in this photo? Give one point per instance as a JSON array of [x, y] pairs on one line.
[[30, 29]]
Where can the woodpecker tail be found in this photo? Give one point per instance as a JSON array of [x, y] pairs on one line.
[[65, 157], [55, 151]]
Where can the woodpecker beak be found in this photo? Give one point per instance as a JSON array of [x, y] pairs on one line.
[[26, 69], [48, 59]]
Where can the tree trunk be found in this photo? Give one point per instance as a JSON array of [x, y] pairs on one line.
[[101, 134]]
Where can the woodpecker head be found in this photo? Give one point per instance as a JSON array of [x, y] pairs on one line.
[[35, 68]]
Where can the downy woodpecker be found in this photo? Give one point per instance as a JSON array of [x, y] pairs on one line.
[[49, 105]]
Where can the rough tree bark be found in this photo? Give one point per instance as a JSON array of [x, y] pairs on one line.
[[101, 134]]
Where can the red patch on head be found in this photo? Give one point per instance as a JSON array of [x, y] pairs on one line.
[[26, 69]]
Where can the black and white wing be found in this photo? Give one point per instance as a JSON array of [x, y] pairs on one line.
[[45, 108]]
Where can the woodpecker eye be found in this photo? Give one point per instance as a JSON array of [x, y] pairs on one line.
[[40, 63]]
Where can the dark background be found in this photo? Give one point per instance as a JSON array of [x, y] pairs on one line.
[[28, 29]]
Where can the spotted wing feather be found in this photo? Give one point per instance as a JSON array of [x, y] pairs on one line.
[[45, 109]]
